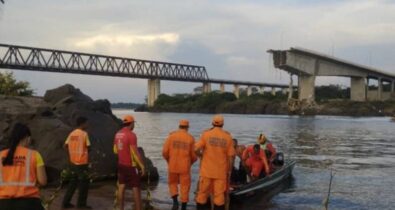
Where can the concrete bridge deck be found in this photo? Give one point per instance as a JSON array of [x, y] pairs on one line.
[[308, 64]]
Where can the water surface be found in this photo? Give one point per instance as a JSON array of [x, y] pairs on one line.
[[361, 151]]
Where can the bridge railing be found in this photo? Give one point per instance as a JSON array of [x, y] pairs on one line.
[[49, 60]]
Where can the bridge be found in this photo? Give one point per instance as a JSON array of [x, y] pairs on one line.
[[308, 64], [60, 61]]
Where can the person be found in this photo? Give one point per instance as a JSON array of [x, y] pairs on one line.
[[129, 162], [78, 144], [268, 148], [21, 172], [179, 153], [254, 159], [238, 175], [217, 153]]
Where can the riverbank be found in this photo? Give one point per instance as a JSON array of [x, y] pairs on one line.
[[267, 104]]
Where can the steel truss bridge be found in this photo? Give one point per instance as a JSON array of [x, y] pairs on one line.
[[60, 61]]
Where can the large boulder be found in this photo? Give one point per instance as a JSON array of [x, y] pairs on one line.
[[53, 117]]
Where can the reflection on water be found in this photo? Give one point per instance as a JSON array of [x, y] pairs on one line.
[[361, 150]]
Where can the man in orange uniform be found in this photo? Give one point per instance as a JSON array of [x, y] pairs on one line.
[[129, 161], [78, 143], [179, 153], [255, 159], [217, 154]]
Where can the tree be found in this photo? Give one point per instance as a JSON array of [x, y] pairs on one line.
[[9, 86]]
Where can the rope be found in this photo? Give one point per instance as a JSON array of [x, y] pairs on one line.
[[63, 176], [148, 205]]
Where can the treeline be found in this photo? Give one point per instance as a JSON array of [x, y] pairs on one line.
[[216, 102], [125, 105]]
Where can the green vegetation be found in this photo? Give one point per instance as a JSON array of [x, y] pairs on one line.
[[10, 87], [125, 105]]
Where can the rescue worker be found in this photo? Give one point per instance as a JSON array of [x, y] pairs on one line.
[[179, 153], [268, 147], [78, 144], [255, 160], [238, 175], [21, 172], [130, 163], [217, 154]]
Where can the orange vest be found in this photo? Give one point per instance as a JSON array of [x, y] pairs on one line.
[[78, 149], [19, 179]]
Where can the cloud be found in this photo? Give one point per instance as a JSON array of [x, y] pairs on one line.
[[229, 37], [126, 40]]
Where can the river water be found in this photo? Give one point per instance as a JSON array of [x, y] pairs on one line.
[[361, 152]]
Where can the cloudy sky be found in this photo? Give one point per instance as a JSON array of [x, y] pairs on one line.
[[229, 37]]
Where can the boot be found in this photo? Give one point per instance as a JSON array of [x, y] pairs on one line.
[[183, 206], [219, 207], [175, 203]]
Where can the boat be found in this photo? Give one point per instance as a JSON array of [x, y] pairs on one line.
[[265, 184]]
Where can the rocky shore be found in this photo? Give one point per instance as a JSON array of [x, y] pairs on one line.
[[52, 117]]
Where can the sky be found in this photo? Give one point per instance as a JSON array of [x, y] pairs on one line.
[[229, 37]]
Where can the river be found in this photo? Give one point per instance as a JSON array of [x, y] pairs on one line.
[[361, 151]]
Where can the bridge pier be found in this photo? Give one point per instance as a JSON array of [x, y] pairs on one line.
[[236, 90], [273, 91], [261, 90], [358, 89], [249, 90], [206, 87], [306, 87], [153, 91], [222, 88], [380, 89]]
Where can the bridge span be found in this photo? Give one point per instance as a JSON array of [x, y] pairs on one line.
[[59, 61], [308, 64]]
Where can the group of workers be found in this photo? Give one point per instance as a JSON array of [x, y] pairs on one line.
[[22, 169]]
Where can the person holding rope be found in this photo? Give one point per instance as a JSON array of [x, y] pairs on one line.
[[217, 152], [21, 172], [178, 151], [78, 144], [130, 162]]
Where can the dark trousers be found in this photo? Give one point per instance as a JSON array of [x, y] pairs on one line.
[[21, 204], [79, 178]]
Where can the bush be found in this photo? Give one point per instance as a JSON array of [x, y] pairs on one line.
[[9, 86]]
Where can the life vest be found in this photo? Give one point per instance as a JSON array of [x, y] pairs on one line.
[[19, 180], [78, 149]]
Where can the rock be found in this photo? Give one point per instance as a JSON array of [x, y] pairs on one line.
[[53, 117], [149, 167]]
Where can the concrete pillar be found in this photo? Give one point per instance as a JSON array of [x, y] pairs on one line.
[[392, 86], [153, 91], [222, 88], [290, 88], [273, 91], [236, 90], [249, 90], [284, 90], [261, 90], [306, 87], [380, 89], [206, 87], [358, 89]]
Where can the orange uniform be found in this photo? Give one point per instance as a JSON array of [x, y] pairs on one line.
[[179, 153], [256, 161], [217, 152], [78, 143], [19, 180]]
